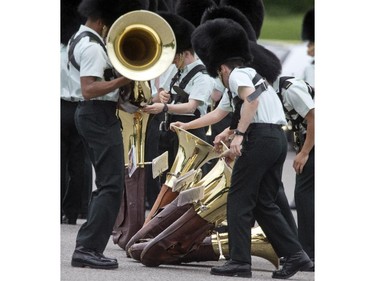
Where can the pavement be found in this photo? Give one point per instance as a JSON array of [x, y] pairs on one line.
[[132, 270]]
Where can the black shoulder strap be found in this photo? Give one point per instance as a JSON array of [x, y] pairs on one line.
[[284, 84], [311, 90], [187, 78], [259, 89], [181, 95], [298, 119], [74, 42], [174, 79]]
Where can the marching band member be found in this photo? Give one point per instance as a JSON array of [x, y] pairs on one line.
[[259, 145], [99, 128]]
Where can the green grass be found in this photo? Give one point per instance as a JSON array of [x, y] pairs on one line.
[[285, 28]]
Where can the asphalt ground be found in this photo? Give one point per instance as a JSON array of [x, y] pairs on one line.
[[132, 270]]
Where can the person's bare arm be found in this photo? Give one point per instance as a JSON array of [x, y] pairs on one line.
[[203, 121], [247, 115], [91, 88], [302, 156]]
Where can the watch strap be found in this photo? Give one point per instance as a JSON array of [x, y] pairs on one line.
[[238, 133]]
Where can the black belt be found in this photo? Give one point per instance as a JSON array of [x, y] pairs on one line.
[[265, 125], [96, 102], [71, 100]]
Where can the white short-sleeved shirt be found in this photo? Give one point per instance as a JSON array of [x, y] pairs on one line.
[[198, 88], [64, 88], [297, 97], [163, 79], [269, 110], [93, 61], [309, 75], [225, 103]]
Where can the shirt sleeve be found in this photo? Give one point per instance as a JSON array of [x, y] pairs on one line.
[[201, 87], [93, 61], [298, 97], [239, 78]]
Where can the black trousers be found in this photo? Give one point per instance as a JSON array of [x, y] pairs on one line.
[[100, 130], [76, 173], [256, 182], [305, 201]]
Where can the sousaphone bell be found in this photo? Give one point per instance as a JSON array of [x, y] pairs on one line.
[[141, 45]]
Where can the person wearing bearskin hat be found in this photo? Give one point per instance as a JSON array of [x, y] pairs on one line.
[[93, 82], [257, 144], [297, 96], [264, 62], [308, 34]]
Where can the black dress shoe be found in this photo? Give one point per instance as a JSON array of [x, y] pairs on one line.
[[299, 261], [86, 257], [232, 268], [311, 269]]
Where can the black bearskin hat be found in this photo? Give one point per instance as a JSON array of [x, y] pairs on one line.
[[126, 6], [110, 10], [161, 6], [219, 40], [265, 62], [230, 13], [308, 26], [153, 6], [182, 29], [70, 20], [107, 10], [252, 9], [192, 10]]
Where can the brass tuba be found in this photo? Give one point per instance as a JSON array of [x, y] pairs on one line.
[[141, 46], [260, 246], [192, 154]]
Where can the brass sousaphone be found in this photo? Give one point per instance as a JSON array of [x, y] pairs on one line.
[[192, 154], [141, 46]]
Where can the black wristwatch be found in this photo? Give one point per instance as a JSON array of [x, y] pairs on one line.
[[165, 109], [238, 133]]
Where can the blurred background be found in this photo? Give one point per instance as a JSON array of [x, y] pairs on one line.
[[281, 33], [283, 19]]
